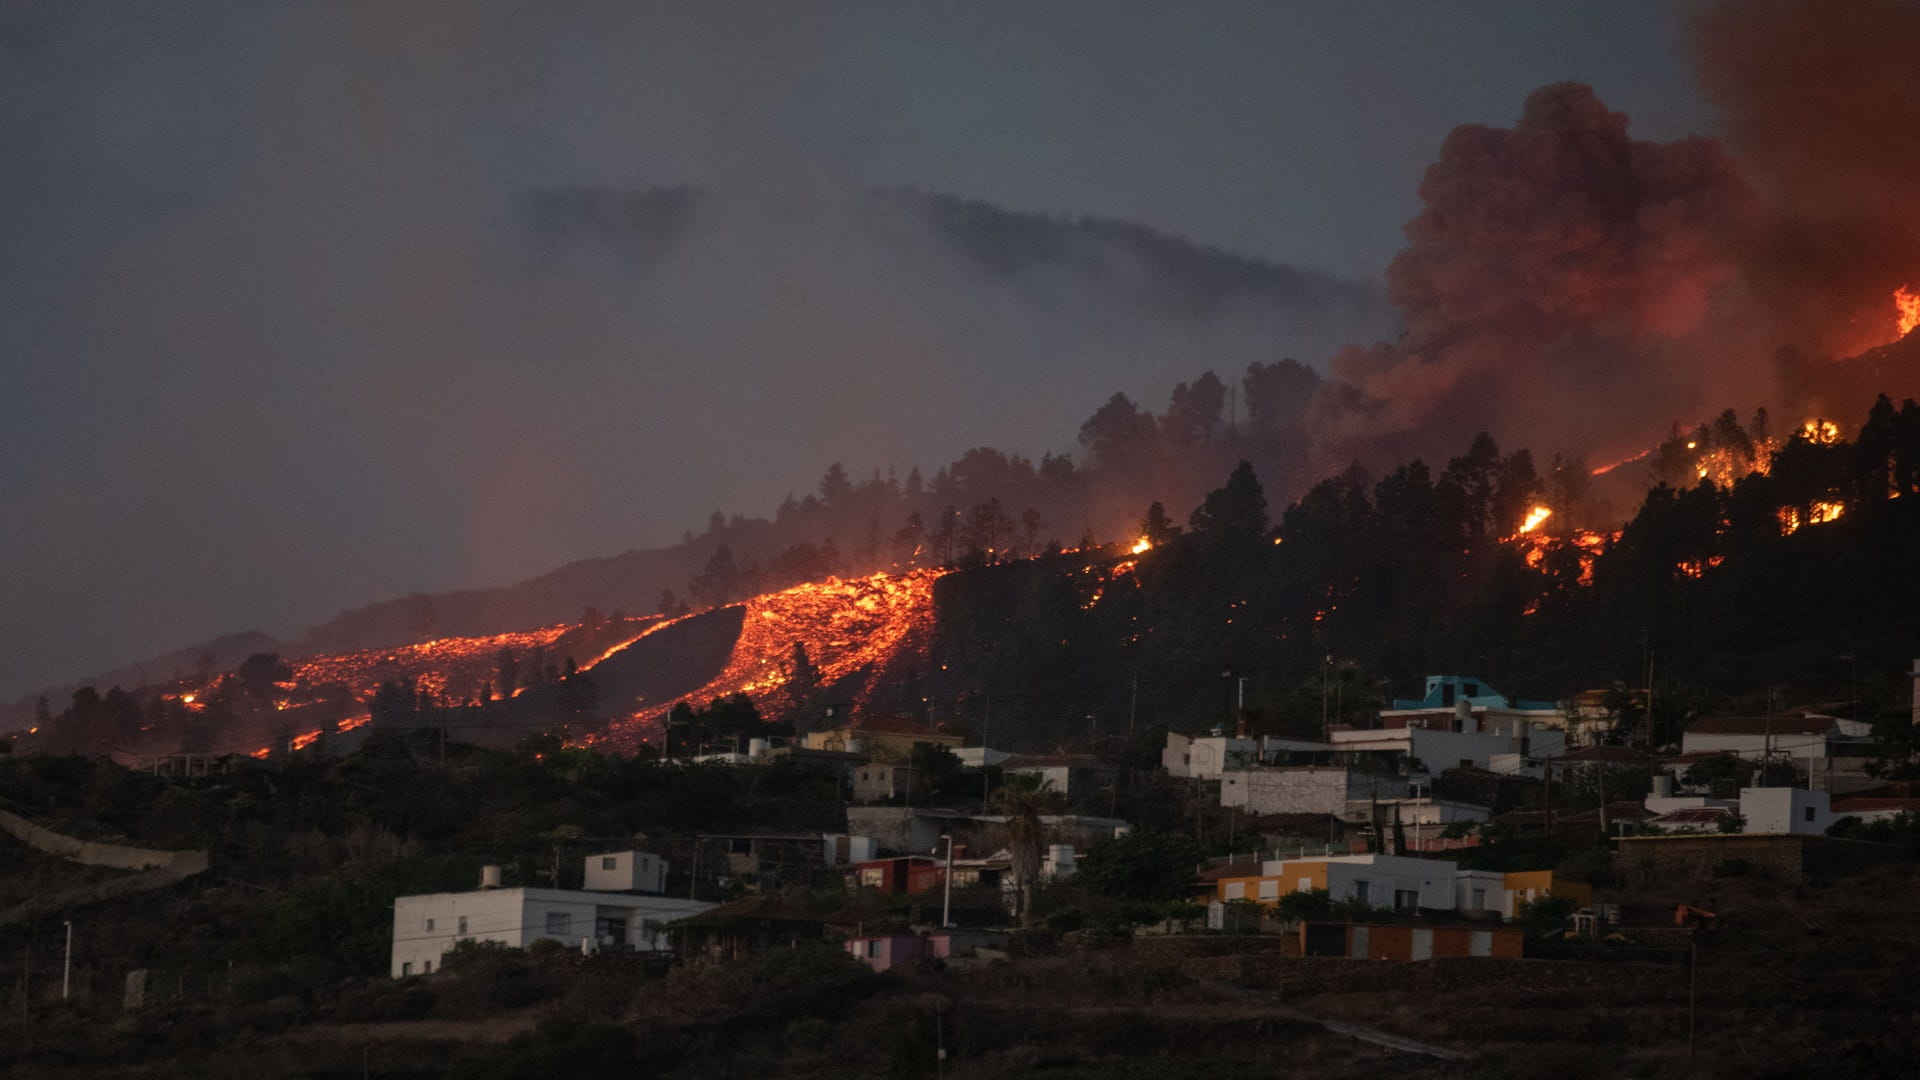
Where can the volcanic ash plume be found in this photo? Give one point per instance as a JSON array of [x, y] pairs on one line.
[[1821, 100], [1547, 256]]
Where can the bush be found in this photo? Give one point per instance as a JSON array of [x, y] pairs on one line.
[[1312, 904]]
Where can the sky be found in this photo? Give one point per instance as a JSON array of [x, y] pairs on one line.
[[275, 340]]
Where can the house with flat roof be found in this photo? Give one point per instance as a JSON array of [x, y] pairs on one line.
[[607, 914]]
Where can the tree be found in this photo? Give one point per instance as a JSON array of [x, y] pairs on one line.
[[803, 692], [1023, 798], [1193, 412], [1157, 527], [720, 582], [1119, 435], [1277, 394], [1141, 865], [835, 489], [907, 541], [1235, 511]]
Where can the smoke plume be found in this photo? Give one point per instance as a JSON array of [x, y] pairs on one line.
[[1546, 255], [1821, 103]]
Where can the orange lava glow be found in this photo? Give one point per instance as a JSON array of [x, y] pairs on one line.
[[1605, 469], [448, 665], [1906, 306], [858, 625]]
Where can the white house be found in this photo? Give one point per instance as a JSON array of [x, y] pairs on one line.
[[1439, 750], [1794, 738], [625, 871], [426, 928], [1785, 810], [1206, 757]]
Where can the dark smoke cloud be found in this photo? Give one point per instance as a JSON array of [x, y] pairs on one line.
[[1821, 103], [1555, 266]]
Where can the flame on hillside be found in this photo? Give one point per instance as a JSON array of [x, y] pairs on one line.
[[1535, 517], [1906, 306]]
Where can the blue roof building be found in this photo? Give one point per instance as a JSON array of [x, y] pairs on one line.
[[1443, 691]]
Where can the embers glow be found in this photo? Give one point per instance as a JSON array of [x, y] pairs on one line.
[[1906, 305], [301, 742], [1605, 469], [1534, 517], [1817, 514], [1820, 432]]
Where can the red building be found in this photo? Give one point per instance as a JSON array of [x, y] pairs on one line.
[[905, 874]]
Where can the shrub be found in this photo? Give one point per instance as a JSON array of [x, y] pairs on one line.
[[1312, 904]]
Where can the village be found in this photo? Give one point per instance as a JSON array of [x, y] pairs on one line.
[[1463, 824]]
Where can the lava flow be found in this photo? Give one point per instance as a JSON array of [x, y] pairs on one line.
[[865, 626]]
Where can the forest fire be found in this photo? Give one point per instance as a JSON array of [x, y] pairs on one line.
[[1535, 517], [1906, 304], [1140, 546], [1817, 514]]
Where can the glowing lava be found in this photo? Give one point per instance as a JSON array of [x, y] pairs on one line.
[[862, 625]]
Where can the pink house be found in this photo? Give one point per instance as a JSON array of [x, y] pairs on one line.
[[885, 951]]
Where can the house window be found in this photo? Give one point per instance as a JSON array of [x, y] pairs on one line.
[[1406, 899], [559, 923], [406, 968], [429, 926], [426, 967], [1479, 900], [1809, 813], [608, 862], [1360, 890], [873, 948], [463, 924]]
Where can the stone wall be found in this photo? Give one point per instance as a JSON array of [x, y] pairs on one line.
[[1788, 858], [97, 853]]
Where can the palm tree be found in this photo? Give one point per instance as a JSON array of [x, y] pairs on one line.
[[1023, 798]]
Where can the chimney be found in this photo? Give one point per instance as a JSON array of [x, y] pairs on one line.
[[489, 877], [1463, 715]]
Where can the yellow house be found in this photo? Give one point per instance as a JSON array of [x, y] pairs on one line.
[[881, 738], [1528, 885], [1399, 882]]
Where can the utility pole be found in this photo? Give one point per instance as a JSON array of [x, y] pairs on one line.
[[66, 973], [1326, 729], [946, 902]]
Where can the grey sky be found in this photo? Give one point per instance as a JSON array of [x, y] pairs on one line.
[[273, 345]]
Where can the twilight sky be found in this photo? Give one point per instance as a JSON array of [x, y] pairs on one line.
[[278, 342]]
